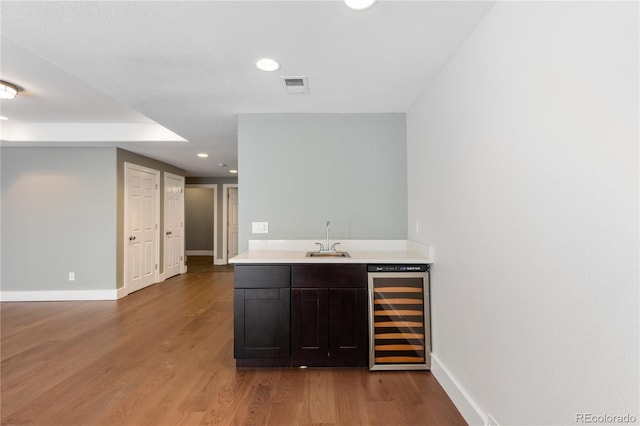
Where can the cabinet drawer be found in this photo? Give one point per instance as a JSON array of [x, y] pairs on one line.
[[262, 276], [329, 275]]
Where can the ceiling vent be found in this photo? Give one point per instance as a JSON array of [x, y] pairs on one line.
[[296, 85]]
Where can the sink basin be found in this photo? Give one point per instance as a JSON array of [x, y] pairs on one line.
[[327, 254]]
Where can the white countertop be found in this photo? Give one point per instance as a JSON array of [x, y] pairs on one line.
[[361, 251]]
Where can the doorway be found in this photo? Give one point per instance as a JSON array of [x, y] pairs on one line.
[[201, 219], [230, 221]]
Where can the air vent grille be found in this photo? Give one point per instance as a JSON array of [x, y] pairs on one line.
[[293, 82], [296, 85]]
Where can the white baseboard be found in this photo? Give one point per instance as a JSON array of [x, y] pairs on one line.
[[67, 295], [122, 292], [461, 399], [199, 253], [219, 262], [58, 295]]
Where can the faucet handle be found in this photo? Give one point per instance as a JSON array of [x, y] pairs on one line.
[[321, 247], [333, 246]]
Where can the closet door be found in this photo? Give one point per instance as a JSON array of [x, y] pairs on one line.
[[173, 224]]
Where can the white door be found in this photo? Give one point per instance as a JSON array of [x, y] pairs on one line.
[[141, 226], [173, 224], [233, 222]]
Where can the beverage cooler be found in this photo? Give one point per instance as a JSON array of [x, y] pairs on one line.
[[399, 317]]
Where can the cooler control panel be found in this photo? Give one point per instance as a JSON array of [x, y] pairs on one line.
[[397, 268]]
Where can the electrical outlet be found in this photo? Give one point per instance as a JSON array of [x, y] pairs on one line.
[[72, 276], [260, 227]]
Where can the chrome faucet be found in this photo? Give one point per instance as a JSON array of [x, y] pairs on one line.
[[326, 248], [328, 228]]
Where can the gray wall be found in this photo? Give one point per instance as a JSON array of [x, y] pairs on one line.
[[299, 170], [58, 216], [70, 196], [199, 229], [523, 174]]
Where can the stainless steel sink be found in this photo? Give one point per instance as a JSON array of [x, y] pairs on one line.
[[327, 254]]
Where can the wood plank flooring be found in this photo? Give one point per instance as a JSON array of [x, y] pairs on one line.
[[164, 356]]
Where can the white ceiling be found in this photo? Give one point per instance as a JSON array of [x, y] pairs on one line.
[[167, 79]]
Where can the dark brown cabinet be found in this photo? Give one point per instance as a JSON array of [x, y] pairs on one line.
[[262, 315], [301, 314], [329, 315]]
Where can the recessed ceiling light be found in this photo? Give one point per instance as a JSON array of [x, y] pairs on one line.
[[203, 155], [8, 90], [267, 64], [360, 4], [233, 171], [3, 117]]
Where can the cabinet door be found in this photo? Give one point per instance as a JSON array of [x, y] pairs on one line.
[[309, 326], [348, 327], [261, 329]]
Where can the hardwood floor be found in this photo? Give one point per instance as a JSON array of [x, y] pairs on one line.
[[164, 356], [205, 264]]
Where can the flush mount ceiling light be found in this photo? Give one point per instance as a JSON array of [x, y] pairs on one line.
[[233, 171], [360, 4], [203, 155], [267, 64], [8, 90]]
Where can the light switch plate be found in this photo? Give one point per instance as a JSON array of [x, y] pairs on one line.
[[260, 227]]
